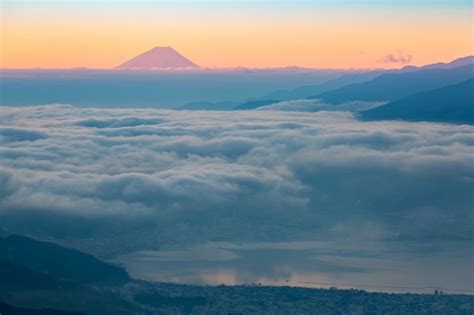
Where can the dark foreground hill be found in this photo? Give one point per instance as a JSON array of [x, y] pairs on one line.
[[393, 86], [6, 309], [17, 277], [452, 104], [59, 262], [43, 276]]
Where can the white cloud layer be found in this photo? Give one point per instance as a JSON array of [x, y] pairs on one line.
[[250, 175], [316, 105]]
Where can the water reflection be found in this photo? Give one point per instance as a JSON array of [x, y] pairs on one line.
[[379, 267]]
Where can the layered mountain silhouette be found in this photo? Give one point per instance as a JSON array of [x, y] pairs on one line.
[[393, 86], [460, 62], [159, 58], [453, 103], [309, 90]]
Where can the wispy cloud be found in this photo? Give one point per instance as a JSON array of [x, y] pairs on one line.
[[396, 58]]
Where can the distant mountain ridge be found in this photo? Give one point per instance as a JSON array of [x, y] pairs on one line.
[[393, 86], [459, 62], [453, 103], [159, 58], [309, 90]]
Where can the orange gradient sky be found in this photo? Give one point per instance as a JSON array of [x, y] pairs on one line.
[[319, 34]]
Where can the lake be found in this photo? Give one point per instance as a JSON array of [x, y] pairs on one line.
[[393, 267]]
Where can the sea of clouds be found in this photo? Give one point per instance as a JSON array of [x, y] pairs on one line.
[[317, 105], [246, 175]]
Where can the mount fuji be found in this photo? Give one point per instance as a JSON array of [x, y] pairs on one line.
[[159, 58]]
